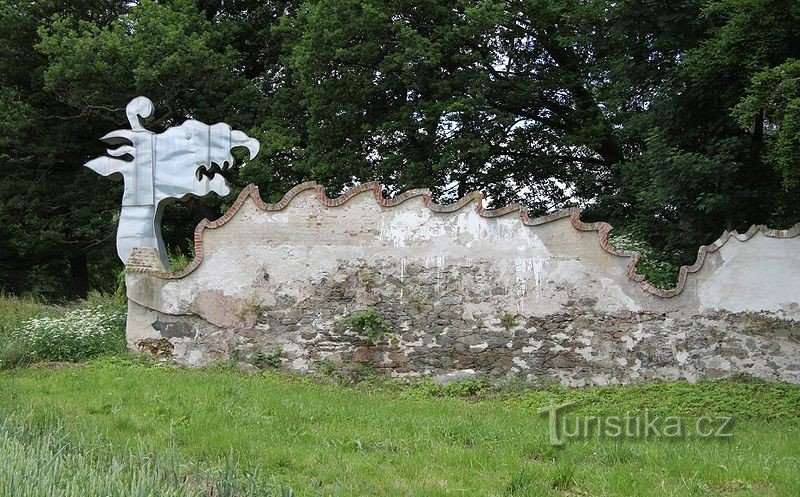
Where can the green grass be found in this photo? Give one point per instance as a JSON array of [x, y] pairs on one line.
[[383, 439]]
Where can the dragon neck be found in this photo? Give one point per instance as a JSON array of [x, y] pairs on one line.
[[140, 227]]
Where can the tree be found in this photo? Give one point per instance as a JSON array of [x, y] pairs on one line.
[[702, 167], [772, 103], [69, 76], [47, 217], [672, 120], [456, 96]]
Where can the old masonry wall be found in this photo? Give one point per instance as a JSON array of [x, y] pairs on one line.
[[464, 291]]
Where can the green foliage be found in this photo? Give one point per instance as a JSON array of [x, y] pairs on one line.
[[370, 323], [121, 290], [14, 353], [15, 310], [508, 320], [348, 373], [772, 103], [58, 221], [465, 388], [67, 464], [252, 306], [61, 471], [262, 360], [178, 261], [680, 196], [165, 46], [94, 329], [656, 269], [671, 120]]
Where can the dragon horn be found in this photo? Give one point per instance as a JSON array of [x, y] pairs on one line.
[[136, 109]]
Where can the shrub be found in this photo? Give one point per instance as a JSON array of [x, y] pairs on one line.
[[79, 334]]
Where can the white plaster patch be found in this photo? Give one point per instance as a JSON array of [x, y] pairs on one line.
[[585, 352], [409, 226], [521, 363], [528, 269]]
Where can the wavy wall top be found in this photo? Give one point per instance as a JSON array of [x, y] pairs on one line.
[[548, 263]]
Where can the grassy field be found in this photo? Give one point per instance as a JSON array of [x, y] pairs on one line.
[[121, 424]]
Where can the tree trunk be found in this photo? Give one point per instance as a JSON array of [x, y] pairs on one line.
[[79, 277], [18, 279]]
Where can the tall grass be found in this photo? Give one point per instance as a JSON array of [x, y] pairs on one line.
[[58, 462], [16, 310]]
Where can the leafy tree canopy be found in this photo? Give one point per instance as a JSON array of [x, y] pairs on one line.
[[673, 120]]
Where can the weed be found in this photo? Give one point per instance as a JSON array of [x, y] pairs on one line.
[[508, 320], [95, 329], [466, 388], [178, 261], [563, 477], [369, 322], [465, 433], [348, 373], [252, 306], [327, 367], [15, 310], [65, 464], [410, 438], [13, 354], [262, 360], [542, 450], [365, 276], [527, 482], [615, 454], [121, 291]]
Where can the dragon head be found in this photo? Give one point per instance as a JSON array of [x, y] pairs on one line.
[[190, 157], [182, 161]]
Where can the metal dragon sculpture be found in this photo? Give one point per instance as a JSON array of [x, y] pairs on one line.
[[159, 168]]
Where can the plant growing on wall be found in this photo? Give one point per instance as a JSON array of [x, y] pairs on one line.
[[262, 360], [508, 320], [252, 306], [370, 323]]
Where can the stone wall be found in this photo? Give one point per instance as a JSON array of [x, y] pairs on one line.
[[466, 291]]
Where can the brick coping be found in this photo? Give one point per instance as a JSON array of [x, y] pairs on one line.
[[603, 229]]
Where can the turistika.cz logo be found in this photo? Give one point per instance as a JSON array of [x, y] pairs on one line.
[[640, 425]]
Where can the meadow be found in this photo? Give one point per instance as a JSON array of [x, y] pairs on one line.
[[119, 425]]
